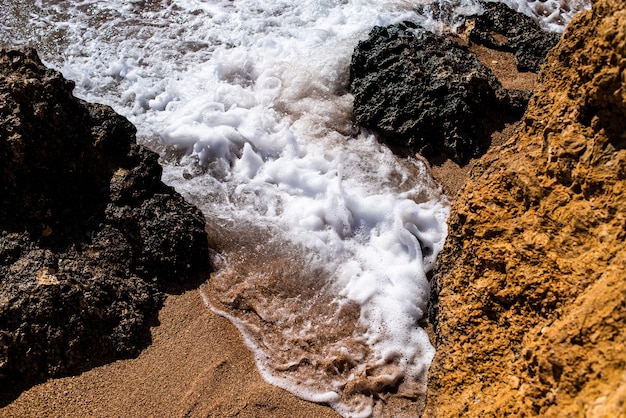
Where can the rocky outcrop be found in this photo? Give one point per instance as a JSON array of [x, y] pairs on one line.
[[428, 93], [89, 235], [501, 28], [529, 302]]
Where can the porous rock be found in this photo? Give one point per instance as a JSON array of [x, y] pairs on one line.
[[428, 93], [529, 293], [502, 28], [89, 235]]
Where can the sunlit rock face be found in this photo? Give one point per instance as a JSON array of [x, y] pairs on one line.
[[528, 296], [89, 235]]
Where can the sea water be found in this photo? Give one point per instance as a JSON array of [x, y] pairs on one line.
[[323, 238]]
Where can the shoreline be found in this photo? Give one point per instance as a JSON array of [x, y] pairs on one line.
[[198, 364]]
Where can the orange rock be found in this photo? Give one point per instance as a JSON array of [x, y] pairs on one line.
[[530, 291]]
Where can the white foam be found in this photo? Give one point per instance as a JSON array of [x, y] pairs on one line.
[[552, 15], [255, 95]]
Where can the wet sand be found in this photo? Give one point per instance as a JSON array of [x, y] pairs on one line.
[[197, 366]]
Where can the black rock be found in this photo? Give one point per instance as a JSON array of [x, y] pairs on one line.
[[426, 92], [89, 235], [504, 29]]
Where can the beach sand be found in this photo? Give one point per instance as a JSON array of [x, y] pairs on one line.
[[198, 364]]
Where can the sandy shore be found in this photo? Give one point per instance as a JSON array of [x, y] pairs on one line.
[[198, 365]]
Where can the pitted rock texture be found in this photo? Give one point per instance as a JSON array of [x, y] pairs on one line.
[[529, 295], [428, 93], [504, 29], [89, 235]]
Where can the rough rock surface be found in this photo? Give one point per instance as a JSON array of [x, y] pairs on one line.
[[89, 235], [529, 297], [426, 92], [504, 29]]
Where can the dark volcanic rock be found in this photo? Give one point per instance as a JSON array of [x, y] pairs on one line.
[[429, 93], [504, 29], [89, 235]]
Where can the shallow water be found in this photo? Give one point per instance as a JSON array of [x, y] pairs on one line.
[[324, 238]]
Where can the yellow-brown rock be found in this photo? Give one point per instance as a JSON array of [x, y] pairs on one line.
[[530, 291]]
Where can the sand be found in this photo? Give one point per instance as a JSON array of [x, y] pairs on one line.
[[198, 364]]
